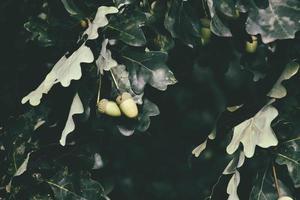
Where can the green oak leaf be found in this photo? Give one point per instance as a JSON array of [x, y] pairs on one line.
[[128, 28], [280, 20], [149, 109], [148, 67], [142, 123], [67, 186], [183, 22], [18, 143], [289, 155]]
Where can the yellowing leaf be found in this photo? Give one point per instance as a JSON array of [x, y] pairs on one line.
[[76, 108], [278, 91], [65, 70], [99, 21], [255, 131]]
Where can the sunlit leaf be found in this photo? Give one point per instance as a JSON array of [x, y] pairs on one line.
[[64, 71], [76, 108], [255, 131], [99, 21], [233, 186], [278, 91]]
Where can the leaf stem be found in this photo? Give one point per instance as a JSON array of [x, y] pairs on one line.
[[213, 188], [99, 88], [114, 79]]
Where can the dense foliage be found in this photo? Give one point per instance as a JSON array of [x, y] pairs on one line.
[[218, 79]]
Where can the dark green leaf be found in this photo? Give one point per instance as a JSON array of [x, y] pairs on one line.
[[263, 188], [280, 20], [67, 186], [183, 22], [148, 67], [128, 26], [149, 109], [289, 155]]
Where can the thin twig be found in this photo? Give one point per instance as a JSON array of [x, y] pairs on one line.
[[276, 180]]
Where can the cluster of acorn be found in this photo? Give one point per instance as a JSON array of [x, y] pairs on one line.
[[124, 104], [206, 34]]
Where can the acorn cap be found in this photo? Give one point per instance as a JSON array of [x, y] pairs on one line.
[[123, 97], [285, 198], [102, 105]]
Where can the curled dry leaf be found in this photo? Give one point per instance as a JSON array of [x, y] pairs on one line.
[[65, 70], [76, 108], [255, 131]]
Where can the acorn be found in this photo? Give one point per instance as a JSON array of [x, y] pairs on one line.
[[83, 23], [250, 47], [205, 31], [109, 107], [285, 198], [205, 35], [127, 105]]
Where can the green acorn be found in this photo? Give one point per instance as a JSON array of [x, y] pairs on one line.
[[127, 105], [205, 31], [250, 47], [109, 107]]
